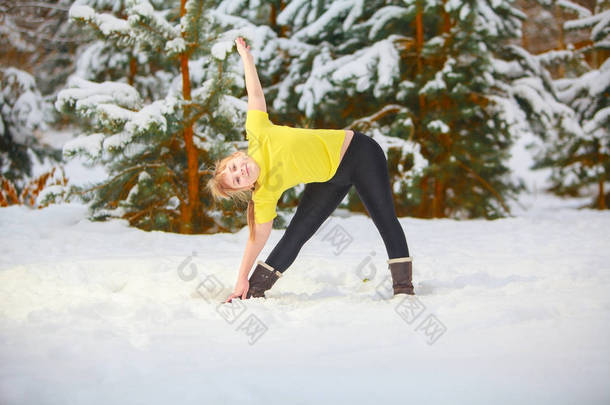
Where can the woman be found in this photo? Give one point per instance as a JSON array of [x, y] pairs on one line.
[[329, 162]]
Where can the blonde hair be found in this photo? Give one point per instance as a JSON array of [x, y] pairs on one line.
[[221, 191]]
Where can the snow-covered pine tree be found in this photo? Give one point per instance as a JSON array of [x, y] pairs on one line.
[[150, 73], [416, 70], [35, 58], [36, 37], [23, 113], [441, 85], [151, 152], [461, 129], [544, 35], [581, 159], [286, 54]]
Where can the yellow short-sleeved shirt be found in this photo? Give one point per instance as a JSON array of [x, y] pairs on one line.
[[288, 156]]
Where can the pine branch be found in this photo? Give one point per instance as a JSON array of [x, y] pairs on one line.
[[117, 176], [148, 210], [367, 122], [485, 184]]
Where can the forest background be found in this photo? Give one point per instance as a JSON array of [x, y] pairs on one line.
[[152, 94]]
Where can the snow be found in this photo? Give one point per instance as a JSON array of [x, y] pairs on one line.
[[354, 14], [600, 120], [573, 7], [336, 10], [438, 126], [592, 83], [588, 22], [289, 12], [231, 6], [22, 107], [81, 11], [87, 94], [221, 49], [117, 141], [107, 23], [151, 116], [90, 144], [383, 16], [116, 315], [437, 84], [175, 46], [381, 59], [99, 312]]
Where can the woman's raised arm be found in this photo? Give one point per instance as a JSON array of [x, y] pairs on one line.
[[256, 98]]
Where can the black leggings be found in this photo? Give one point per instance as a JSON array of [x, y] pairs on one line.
[[364, 165]]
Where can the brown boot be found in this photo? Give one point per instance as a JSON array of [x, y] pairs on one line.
[[262, 279], [401, 269]]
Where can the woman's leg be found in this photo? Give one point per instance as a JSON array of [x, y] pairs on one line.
[[318, 201], [372, 182]]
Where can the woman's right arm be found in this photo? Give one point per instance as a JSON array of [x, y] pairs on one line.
[[256, 98], [253, 248]]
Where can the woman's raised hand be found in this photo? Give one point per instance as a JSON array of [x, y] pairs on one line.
[[242, 48]]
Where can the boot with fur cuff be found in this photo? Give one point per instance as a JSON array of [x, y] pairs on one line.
[[401, 269], [263, 277]]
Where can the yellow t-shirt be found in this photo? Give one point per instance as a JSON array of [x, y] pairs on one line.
[[288, 156]]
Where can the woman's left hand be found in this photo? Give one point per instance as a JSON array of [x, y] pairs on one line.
[[242, 48]]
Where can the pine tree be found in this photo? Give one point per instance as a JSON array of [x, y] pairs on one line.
[[417, 76], [23, 114], [581, 159], [36, 37], [35, 58], [156, 153], [442, 85], [102, 60]]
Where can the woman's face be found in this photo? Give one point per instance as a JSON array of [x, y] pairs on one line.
[[241, 172]]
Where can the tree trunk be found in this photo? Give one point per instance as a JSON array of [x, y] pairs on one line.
[[437, 204], [422, 209], [133, 68], [281, 31], [601, 201], [192, 174], [561, 70], [419, 44]]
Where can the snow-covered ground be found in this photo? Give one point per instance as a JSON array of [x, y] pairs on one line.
[[509, 311]]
